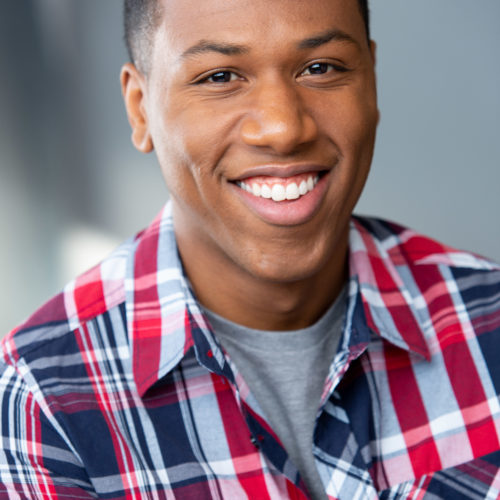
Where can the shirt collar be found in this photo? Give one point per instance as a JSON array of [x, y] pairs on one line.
[[165, 321], [163, 318], [381, 268]]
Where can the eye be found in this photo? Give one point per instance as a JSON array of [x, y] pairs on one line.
[[220, 77], [322, 68]]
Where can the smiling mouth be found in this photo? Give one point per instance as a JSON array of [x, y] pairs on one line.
[[280, 189]]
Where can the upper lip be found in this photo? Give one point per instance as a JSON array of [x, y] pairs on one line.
[[277, 170]]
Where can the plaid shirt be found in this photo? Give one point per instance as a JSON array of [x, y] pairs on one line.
[[117, 388]]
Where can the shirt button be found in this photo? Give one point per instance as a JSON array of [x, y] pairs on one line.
[[254, 441], [210, 354]]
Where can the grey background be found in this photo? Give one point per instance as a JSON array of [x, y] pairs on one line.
[[72, 186]]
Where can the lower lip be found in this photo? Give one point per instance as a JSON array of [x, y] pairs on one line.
[[287, 212]]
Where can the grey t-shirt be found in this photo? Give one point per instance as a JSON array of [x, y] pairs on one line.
[[286, 372]]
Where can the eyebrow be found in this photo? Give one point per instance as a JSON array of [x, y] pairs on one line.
[[326, 37], [230, 49]]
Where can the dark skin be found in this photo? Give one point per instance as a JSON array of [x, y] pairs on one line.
[[276, 89]]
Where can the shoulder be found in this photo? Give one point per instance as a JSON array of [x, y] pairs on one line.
[[448, 293], [92, 295], [405, 247], [57, 355]]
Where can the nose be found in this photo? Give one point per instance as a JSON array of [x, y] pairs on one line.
[[277, 118]]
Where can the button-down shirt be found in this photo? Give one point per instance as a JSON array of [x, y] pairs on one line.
[[117, 387]]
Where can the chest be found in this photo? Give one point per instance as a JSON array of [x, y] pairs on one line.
[[194, 435]]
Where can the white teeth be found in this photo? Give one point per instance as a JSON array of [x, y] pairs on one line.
[[278, 193], [265, 191], [292, 191]]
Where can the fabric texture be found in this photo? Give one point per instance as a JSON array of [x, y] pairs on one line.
[[285, 371], [117, 388]]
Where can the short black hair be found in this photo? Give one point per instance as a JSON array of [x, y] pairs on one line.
[[141, 17], [365, 13]]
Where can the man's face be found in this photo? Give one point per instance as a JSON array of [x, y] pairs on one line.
[[273, 97]]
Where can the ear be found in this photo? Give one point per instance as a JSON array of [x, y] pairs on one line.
[[133, 86], [373, 51]]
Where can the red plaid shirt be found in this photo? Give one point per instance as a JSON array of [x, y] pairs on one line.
[[117, 388]]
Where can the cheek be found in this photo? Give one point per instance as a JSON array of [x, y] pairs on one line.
[[358, 127], [354, 121], [189, 153], [194, 139], [351, 125], [178, 146]]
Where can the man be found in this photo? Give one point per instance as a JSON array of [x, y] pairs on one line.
[[256, 341]]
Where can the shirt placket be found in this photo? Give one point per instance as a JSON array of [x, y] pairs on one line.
[[340, 452], [268, 445], [260, 433]]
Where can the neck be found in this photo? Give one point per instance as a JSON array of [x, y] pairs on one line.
[[251, 301]]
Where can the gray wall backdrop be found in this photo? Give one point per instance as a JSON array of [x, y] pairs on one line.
[[72, 186]]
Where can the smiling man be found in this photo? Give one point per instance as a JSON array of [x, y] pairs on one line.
[[257, 340], [265, 137]]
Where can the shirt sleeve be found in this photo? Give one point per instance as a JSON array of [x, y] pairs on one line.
[[36, 458]]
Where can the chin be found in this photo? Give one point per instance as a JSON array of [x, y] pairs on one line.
[[283, 274], [283, 267]]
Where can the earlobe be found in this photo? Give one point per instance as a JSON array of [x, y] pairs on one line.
[[133, 91]]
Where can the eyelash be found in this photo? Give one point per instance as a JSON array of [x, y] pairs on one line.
[[220, 72], [336, 67], [206, 79]]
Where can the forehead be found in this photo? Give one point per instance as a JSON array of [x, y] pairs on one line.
[[254, 22]]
